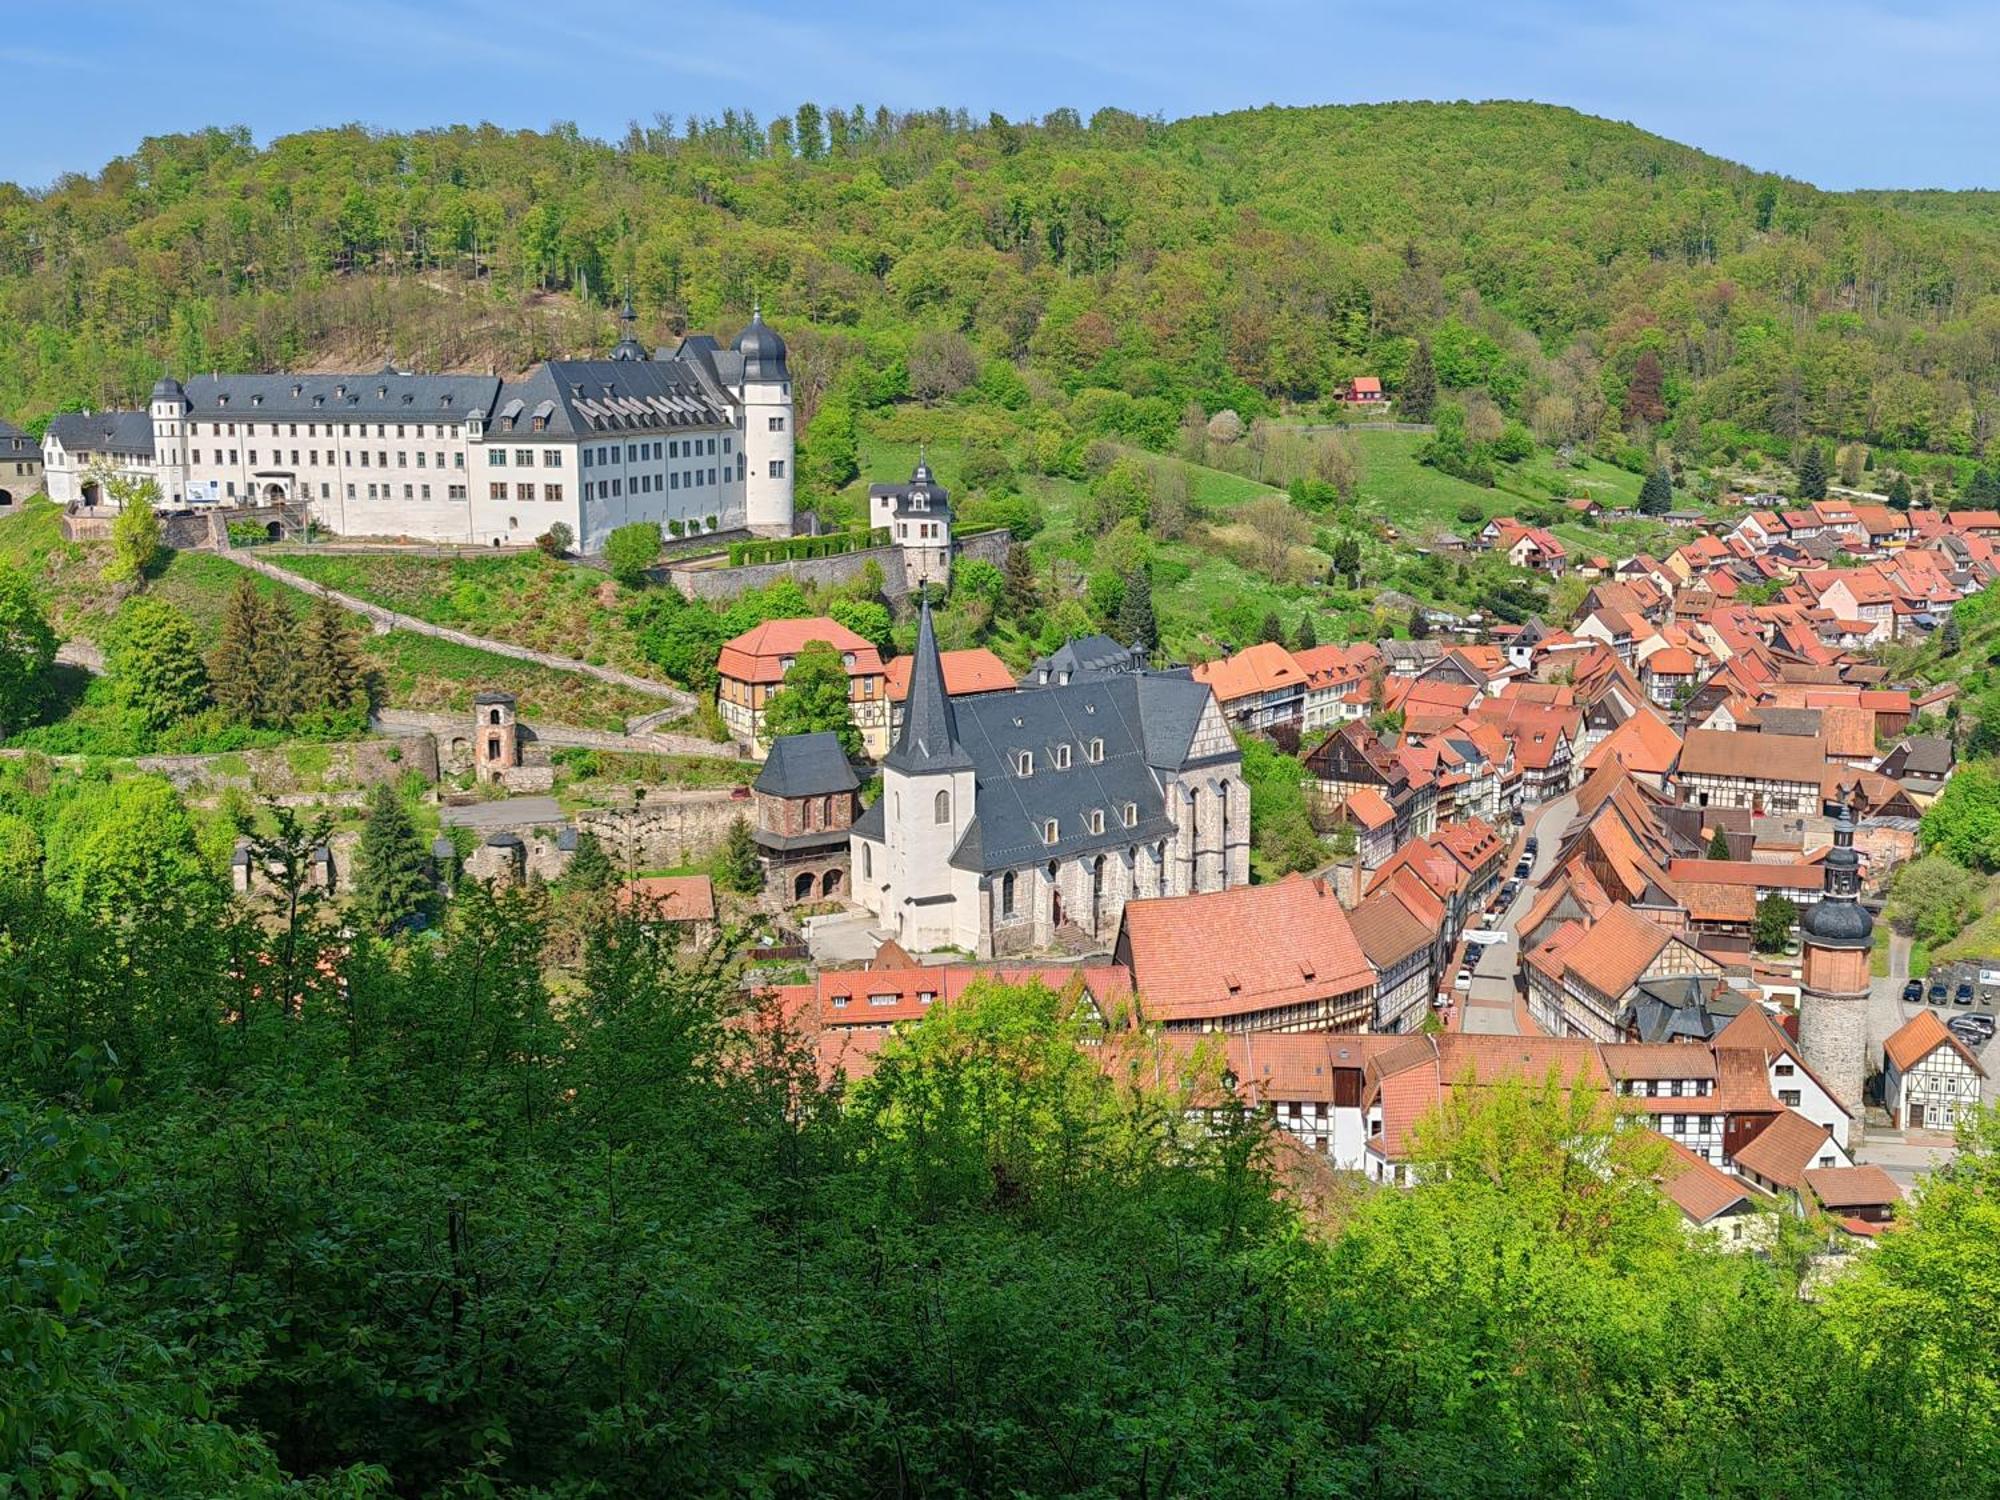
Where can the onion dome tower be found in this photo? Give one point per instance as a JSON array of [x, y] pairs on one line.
[[1839, 936]]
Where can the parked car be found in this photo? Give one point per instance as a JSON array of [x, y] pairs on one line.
[[1524, 869], [1463, 981], [1913, 991], [1533, 846], [1963, 994], [1966, 1029], [1936, 994]]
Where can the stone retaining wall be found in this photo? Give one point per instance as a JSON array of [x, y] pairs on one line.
[[829, 572]]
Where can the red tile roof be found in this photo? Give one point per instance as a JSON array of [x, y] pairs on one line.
[[1785, 1149], [671, 898], [759, 654], [1697, 1189], [1853, 1187], [1920, 1036], [1263, 668], [976, 670], [1195, 957]]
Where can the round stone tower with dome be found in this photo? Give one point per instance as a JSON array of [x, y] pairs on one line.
[[767, 429], [1839, 937]]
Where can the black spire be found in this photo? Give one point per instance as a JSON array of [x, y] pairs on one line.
[[929, 741], [628, 346]]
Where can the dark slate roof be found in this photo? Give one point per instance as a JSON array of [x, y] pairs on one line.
[[937, 499], [128, 432], [1924, 755], [726, 365], [806, 765], [1085, 656], [870, 825], [762, 351], [929, 738], [1792, 721], [1147, 722], [384, 396], [589, 397], [1679, 1008], [493, 695], [16, 443]]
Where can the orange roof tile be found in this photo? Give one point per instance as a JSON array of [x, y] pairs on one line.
[[760, 653], [1784, 1149], [976, 670], [1920, 1036], [1852, 1187], [1262, 668], [1696, 1188], [1304, 950]]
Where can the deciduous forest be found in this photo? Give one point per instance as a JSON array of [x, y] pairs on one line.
[[287, 1211]]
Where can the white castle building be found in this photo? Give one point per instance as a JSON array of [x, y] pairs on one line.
[[698, 435]]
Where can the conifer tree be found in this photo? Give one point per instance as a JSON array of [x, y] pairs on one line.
[[1420, 624], [737, 866], [392, 882], [332, 676], [274, 665], [232, 664], [1718, 846], [1812, 474], [1899, 492], [1273, 629], [1136, 621], [1416, 397], [590, 868], [1656, 495], [1948, 636], [1021, 594], [1307, 637]]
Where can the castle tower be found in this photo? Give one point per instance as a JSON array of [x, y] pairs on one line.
[[1833, 1013], [927, 790], [768, 459], [169, 410], [496, 736]]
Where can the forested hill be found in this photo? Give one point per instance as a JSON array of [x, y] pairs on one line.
[[1248, 260]]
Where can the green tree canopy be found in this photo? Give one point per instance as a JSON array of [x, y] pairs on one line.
[[126, 850], [631, 549], [27, 650], [154, 662], [136, 541], [814, 698]]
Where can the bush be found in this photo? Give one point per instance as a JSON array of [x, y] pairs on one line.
[[557, 540], [631, 550]]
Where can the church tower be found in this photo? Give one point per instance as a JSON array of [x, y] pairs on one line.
[[768, 458], [1833, 1013], [927, 786]]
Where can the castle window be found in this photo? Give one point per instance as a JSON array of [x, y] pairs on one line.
[[1096, 752], [1062, 757], [493, 716], [1050, 831], [1006, 893], [867, 862], [1131, 818], [941, 808], [1024, 763], [1097, 820]]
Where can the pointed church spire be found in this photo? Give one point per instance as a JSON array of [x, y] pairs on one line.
[[929, 741]]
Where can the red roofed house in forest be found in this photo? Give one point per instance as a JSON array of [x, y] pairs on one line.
[[1365, 390], [751, 671]]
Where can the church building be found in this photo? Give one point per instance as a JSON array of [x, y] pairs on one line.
[[1013, 822]]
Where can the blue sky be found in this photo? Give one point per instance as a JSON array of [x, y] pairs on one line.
[[1843, 93]]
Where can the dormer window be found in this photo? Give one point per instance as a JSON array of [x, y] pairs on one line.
[[222, 398], [1097, 820], [1024, 763], [1062, 757], [1095, 750], [1050, 831], [1131, 816], [256, 398]]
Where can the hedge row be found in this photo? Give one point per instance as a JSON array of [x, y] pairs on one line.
[[798, 548]]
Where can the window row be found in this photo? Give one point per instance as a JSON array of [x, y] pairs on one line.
[[1093, 822], [410, 492], [1024, 760], [333, 429], [497, 490]]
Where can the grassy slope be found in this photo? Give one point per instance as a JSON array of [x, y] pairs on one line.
[[526, 599], [417, 672]]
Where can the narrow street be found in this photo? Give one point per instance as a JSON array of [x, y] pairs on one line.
[[1488, 1008]]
